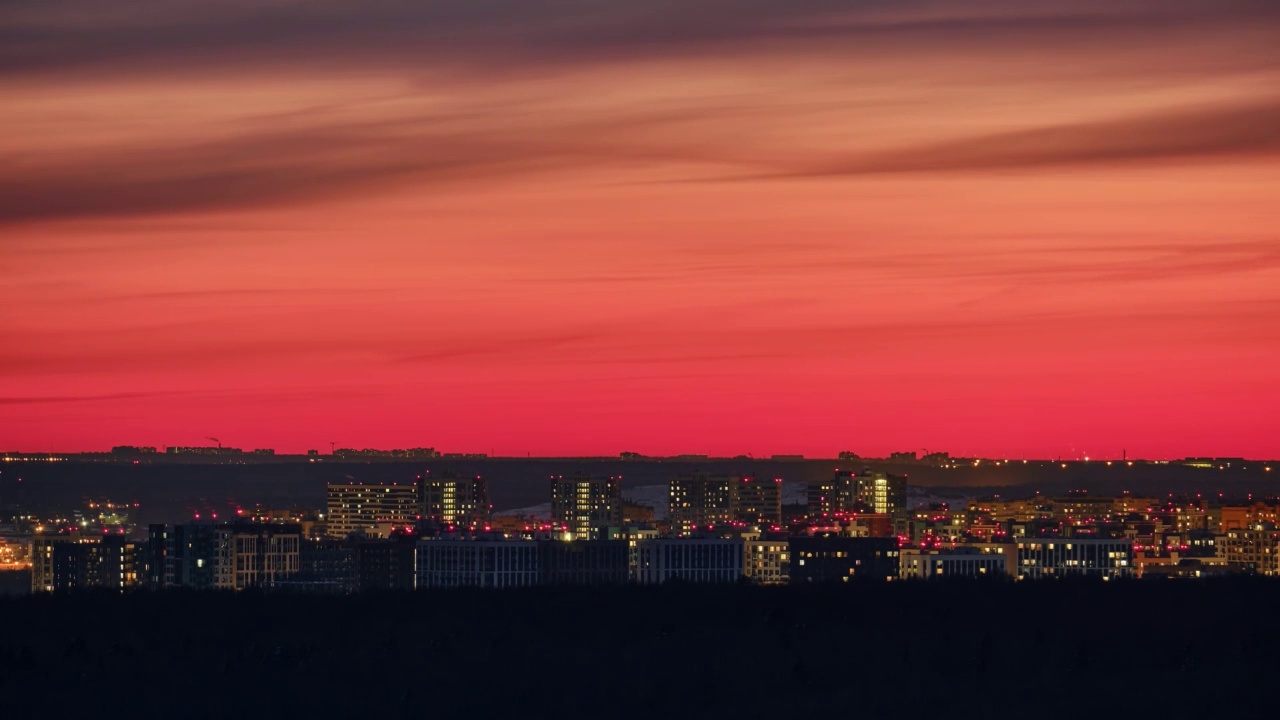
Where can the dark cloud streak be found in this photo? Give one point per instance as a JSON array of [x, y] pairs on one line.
[[1167, 135], [153, 35]]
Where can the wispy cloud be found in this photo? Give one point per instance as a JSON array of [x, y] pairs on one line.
[[1180, 133]]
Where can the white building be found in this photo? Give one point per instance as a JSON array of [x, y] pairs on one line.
[[477, 563]]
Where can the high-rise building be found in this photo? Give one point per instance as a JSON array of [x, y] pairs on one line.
[[188, 555], [886, 494], [850, 491], [703, 500], [447, 499], [1256, 547], [699, 500], [95, 562], [42, 546], [1057, 557], [255, 555], [585, 504], [757, 501], [365, 508], [71, 561], [179, 556]]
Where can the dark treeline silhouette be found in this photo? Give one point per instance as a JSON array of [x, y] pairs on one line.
[[1083, 649]]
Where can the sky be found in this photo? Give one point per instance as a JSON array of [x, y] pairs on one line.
[[581, 227]]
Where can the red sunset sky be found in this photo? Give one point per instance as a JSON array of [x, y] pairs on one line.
[[582, 227]]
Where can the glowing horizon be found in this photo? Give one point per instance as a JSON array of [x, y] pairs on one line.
[[707, 227]]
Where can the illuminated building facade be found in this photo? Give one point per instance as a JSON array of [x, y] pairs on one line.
[[767, 562], [703, 500], [1256, 547], [1235, 517], [699, 500], [850, 491], [454, 501], [42, 546], [71, 561], [926, 564], [359, 508], [585, 504], [1057, 557]]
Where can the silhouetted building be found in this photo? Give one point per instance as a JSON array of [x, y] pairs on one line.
[[368, 508], [398, 454], [694, 560], [255, 555], [386, 564], [182, 556], [105, 562], [449, 500], [205, 450], [132, 450], [757, 501], [595, 562], [326, 566], [828, 557], [585, 504]]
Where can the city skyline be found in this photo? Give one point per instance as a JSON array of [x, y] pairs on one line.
[[638, 358], [718, 227], [420, 454]]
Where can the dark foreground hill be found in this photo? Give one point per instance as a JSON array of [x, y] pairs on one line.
[[1083, 650]]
